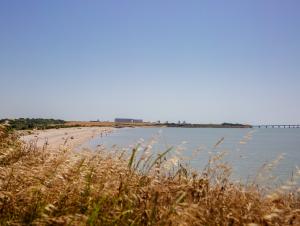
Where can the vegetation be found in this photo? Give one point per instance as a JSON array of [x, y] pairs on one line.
[[39, 187], [226, 124], [223, 125], [110, 124], [38, 123]]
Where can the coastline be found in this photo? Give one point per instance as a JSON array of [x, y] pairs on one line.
[[78, 133], [70, 138], [155, 124]]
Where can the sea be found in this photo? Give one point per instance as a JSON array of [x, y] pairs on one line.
[[252, 153]]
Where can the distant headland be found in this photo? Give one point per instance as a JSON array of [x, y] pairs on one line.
[[194, 125], [39, 123]]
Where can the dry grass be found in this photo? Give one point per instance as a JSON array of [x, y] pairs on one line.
[[108, 124], [39, 187]]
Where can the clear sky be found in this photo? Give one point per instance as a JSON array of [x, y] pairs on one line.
[[199, 61]]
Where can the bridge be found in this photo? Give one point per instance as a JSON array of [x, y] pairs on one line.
[[276, 126]]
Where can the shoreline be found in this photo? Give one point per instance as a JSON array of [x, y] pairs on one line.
[[154, 124], [75, 137], [70, 138]]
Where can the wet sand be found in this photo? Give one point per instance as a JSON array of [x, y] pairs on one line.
[[65, 137]]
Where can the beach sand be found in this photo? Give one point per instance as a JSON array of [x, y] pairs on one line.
[[65, 137]]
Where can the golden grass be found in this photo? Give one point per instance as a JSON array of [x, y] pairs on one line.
[[108, 124], [39, 187]]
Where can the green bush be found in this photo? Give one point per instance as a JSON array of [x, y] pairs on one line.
[[32, 123]]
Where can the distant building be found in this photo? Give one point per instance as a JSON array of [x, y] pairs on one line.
[[128, 120]]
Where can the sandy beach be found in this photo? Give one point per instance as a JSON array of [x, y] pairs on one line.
[[65, 137]]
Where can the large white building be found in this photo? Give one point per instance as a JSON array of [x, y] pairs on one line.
[[128, 120]]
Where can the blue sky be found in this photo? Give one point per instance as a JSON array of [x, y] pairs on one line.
[[199, 61]]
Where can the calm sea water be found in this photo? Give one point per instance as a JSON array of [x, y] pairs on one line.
[[247, 149]]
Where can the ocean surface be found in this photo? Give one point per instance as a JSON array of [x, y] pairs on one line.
[[247, 150]]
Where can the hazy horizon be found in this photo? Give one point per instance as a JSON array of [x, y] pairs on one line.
[[196, 61]]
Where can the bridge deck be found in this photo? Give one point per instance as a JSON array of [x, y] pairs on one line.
[[277, 126]]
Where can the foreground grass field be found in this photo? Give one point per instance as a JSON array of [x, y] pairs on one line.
[[39, 187]]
